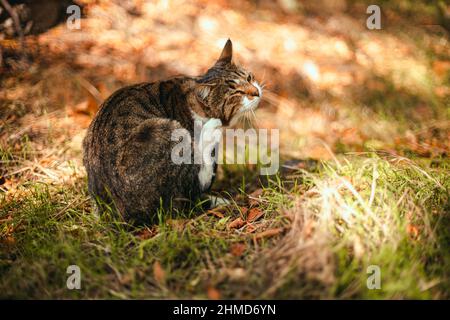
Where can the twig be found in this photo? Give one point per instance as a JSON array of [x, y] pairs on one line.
[[90, 88], [258, 199], [12, 12], [61, 212]]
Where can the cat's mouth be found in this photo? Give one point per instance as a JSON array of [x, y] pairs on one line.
[[251, 102]]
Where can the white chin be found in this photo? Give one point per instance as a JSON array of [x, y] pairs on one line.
[[248, 104]]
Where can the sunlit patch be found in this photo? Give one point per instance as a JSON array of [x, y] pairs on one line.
[[207, 23], [311, 70]]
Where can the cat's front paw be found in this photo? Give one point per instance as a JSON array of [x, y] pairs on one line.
[[212, 124]]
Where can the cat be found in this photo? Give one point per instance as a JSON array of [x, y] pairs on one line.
[[127, 148]]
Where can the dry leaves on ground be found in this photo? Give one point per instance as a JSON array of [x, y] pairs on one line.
[[158, 273]]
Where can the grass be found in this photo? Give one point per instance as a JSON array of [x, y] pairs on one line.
[[335, 222]]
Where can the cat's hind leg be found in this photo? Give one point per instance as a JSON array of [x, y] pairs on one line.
[[210, 137], [215, 201]]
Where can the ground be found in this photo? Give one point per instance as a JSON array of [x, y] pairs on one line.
[[364, 141]]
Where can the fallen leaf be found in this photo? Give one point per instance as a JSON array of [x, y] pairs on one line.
[[250, 228], [147, 234], [158, 273], [9, 240], [254, 214], [441, 67], [257, 193], [412, 230], [177, 224], [237, 249], [126, 279], [215, 212], [268, 233], [236, 223], [213, 293]]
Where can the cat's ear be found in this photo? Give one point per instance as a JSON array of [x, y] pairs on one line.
[[202, 92], [227, 53]]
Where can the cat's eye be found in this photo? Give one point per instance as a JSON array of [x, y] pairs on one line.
[[249, 78]]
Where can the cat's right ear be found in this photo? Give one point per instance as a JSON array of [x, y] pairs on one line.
[[227, 53]]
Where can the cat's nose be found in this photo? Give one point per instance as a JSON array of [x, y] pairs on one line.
[[253, 91]]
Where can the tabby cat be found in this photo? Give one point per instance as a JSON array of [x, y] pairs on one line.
[[127, 149]]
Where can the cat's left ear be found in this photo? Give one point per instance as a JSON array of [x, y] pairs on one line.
[[227, 53], [202, 92]]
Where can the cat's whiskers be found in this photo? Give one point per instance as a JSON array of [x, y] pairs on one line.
[[254, 117], [263, 79]]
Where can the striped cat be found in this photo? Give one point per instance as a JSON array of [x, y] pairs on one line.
[[127, 149]]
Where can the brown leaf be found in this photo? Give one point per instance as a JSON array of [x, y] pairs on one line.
[[441, 67], [126, 279], [215, 212], [268, 233], [81, 107], [213, 293], [158, 273], [412, 230], [147, 234], [250, 228], [254, 214], [92, 106], [237, 249], [177, 224], [257, 193], [236, 223], [9, 240]]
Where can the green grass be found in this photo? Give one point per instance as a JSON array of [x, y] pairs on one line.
[[337, 221]]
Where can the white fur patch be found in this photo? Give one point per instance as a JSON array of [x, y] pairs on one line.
[[218, 201], [256, 84], [204, 92], [209, 137]]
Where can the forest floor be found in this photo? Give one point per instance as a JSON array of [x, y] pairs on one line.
[[364, 181]]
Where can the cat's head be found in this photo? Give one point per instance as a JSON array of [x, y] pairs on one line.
[[226, 90]]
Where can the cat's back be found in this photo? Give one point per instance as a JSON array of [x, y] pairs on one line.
[[125, 109]]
